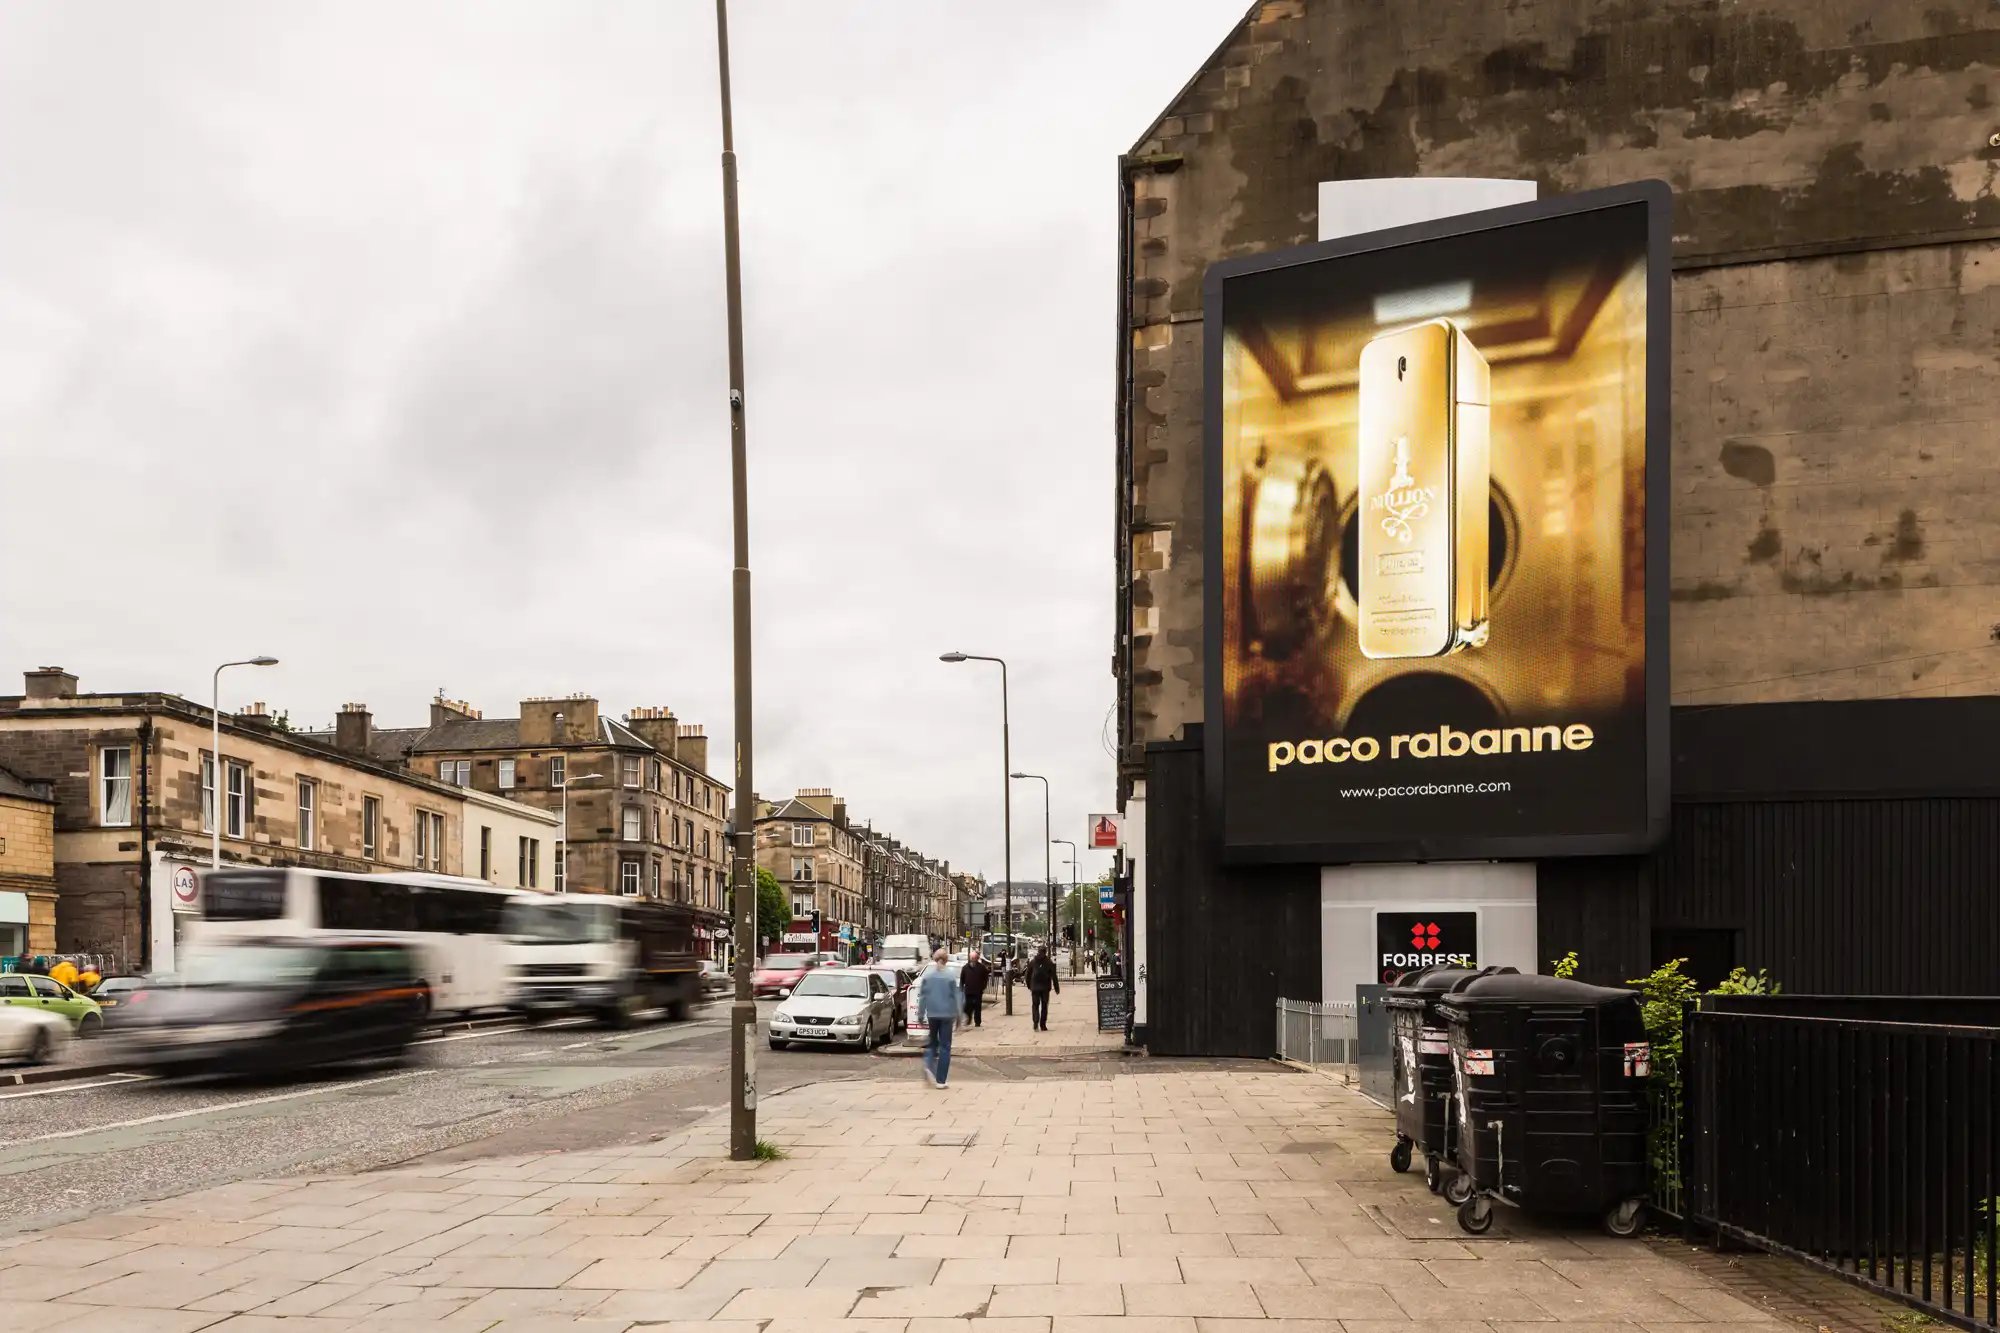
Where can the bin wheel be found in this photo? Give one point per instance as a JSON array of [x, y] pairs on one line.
[[1475, 1215], [1624, 1219], [1433, 1175], [1458, 1189], [1399, 1156]]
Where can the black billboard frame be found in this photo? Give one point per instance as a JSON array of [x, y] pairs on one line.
[[1657, 196]]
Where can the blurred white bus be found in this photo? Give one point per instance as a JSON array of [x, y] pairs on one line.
[[457, 925]]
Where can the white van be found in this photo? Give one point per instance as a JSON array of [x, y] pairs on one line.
[[905, 949]]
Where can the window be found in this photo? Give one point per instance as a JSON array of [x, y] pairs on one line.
[[802, 867], [521, 870], [801, 908], [558, 769], [458, 772], [631, 831], [656, 823], [485, 852], [632, 770], [208, 793], [704, 842], [308, 814], [236, 798], [371, 825], [562, 868], [628, 878], [430, 840], [534, 880], [705, 885], [802, 835], [652, 775], [506, 778], [114, 808], [656, 877], [707, 795], [677, 784]]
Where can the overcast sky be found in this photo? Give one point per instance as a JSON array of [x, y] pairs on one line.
[[387, 338]]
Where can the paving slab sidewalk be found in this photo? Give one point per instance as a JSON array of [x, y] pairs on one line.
[[1163, 1199]]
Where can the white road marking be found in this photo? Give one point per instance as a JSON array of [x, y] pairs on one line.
[[115, 1080], [217, 1106]]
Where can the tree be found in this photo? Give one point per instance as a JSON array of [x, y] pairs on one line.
[[1093, 916], [774, 908]]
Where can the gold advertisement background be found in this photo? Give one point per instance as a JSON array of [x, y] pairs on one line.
[[1568, 355]]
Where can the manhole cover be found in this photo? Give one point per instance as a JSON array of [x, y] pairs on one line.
[[951, 1138]]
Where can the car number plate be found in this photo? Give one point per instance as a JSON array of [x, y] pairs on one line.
[[812, 1032]]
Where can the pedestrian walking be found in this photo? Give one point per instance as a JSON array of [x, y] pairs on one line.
[[1042, 978], [939, 1000], [973, 977]]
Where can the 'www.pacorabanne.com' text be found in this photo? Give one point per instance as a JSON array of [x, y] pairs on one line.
[[1426, 789]]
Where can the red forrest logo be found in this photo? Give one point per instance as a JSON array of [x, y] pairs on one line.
[[1424, 938]]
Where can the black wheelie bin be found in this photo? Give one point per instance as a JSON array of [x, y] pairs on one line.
[[1421, 1053], [1550, 1093]]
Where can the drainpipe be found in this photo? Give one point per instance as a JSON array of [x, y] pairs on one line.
[[145, 845]]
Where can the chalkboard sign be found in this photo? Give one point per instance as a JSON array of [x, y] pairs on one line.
[[1113, 1004]]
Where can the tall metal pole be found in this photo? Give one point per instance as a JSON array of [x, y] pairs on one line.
[[743, 1013], [1078, 945], [1006, 810], [1048, 870], [220, 798]]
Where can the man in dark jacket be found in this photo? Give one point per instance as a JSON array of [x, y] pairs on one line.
[[973, 977], [1042, 979]]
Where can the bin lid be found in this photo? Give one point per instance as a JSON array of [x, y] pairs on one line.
[[1530, 988], [1428, 983]]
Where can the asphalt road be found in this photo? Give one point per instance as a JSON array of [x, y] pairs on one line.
[[70, 1149]]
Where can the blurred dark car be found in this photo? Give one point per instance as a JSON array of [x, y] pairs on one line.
[[899, 977], [716, 984], [280, 1005], [114, 995], [779, 972]]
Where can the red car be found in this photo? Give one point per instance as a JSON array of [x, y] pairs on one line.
[[779, 972]]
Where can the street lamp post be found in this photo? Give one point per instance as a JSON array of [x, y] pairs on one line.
[[569, 782], [743, 1013], [215, 755], [1048, 870], [1077, 943], [1006, 814]]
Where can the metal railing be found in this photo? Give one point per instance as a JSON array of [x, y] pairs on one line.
[[1664, 1136], [1319, 1035], [1866, 1148]]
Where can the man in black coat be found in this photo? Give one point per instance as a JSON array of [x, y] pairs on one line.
[[973, 977], [1042, 979]]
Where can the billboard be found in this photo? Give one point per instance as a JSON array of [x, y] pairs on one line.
[[1436, 541]]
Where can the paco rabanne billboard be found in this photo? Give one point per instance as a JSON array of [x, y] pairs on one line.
[[1436, 557]]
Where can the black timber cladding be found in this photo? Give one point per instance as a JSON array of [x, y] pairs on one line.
[[1223, 944], [1850, 847]]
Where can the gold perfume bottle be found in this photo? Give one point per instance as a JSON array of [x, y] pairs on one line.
[[1423, 478]]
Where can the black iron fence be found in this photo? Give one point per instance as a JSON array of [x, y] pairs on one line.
[[1861, 1145]]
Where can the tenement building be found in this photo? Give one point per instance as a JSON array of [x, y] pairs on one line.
[[137, 790], [859, 883], [636, 812], [1823, 487], [27, 867]]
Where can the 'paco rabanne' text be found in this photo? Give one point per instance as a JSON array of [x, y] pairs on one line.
[[1445, 743]]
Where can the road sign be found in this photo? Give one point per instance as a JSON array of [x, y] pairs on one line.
[[186, 888], [1105, 830], [1107, 897], [721, 932]]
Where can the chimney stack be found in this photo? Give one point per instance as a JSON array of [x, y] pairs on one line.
[[445, 710], [351, 729], [579, 721], [255, 715], [51, 682], [692, 746], [656, 727]]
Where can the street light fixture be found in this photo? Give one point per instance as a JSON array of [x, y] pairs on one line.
[[1078, 942], [1048, 871], [569, 782], [215, 755], [743, 1012], [1006, 812]]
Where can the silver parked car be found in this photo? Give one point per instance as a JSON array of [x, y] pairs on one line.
[[843, 1006]]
